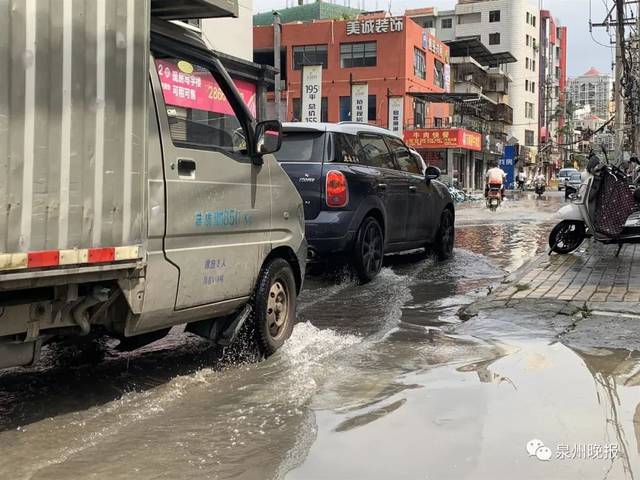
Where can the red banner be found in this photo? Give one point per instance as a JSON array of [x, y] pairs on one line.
[[185, 86], [444, 138]]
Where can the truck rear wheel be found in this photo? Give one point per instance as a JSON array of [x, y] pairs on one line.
[[274, 306]]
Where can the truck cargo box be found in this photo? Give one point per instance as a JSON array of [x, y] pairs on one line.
[[73, 113]]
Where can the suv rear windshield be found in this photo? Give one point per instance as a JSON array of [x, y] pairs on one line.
[[301, 147]]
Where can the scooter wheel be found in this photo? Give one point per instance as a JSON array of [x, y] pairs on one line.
[[566, 237]]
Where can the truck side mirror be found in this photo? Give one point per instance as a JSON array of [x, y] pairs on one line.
[[268, 137], [431, 173]]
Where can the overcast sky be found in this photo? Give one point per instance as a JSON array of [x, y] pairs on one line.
[[584, 52]]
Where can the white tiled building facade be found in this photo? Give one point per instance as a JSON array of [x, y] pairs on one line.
[[233, 36], [594, 89], [503, 26]]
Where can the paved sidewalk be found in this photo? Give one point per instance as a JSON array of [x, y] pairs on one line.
[[593, 277]]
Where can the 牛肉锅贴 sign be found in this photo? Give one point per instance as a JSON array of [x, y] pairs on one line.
[[188, 87], [444, 138]]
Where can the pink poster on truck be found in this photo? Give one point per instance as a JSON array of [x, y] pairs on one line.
[[188, 87]]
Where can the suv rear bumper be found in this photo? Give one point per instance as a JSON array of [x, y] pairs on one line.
[[330, 232]]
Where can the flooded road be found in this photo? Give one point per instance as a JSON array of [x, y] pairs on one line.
[[381, 381]]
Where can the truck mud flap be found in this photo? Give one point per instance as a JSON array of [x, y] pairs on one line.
[[19, 354]]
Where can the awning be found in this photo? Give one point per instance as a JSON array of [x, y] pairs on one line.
[[473, 47], [193, 9]]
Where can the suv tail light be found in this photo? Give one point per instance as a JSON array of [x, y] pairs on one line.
[[337, 190]]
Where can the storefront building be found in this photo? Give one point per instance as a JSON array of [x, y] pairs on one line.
[[453, 150], [367, 69]]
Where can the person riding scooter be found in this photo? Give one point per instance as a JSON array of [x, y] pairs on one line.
[[495, 179], [540, 184]]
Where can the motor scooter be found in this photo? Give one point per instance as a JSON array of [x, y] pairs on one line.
[[605, 208], [494, 197], [540, 188]]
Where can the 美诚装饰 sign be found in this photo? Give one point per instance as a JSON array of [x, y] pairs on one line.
[[377, 25]]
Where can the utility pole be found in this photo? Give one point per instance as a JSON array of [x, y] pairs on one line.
[[636, 49], [624, 17], [277, 30], [620, 60]]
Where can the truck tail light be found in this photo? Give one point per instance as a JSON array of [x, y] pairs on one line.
[[337, 190]]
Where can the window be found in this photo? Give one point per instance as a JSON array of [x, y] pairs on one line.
[[309, 55], [533, 20], [558, 72], [437, 122], [528, 138], [376, 153], [494, 39], [405, 160], [559, 33], [345, 109], [324, 110], [533, 87], [467, 18], [528, 40], [494, 16], [533, 65], [533, 43], [301, 147], [419, 64], [438, 73], [528, 110], [528, 18], [526, 85], [200, 116], [346, 148], [358, 54], [428, 24], [419, 113], [447, 23], [373, 110], [526, 63]]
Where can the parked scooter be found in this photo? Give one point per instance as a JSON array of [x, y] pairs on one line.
[[606, 208], [540, 187], [494, 197]]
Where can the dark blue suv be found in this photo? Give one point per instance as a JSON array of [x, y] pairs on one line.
[[365, 194]]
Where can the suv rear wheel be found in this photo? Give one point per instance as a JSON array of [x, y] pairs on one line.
[[446, 236], [274, 306], [369, 250]]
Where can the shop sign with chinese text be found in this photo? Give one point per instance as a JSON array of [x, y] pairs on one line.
[[360, 103], [377, 25], [311, 93], [396, 114], [444, 138]]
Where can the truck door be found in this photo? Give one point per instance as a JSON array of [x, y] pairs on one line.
[[218, 212]]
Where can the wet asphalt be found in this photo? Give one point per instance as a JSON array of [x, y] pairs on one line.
[[381, 381]]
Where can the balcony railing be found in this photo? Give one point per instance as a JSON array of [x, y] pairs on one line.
[[504, 113]]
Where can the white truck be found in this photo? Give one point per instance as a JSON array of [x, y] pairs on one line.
[[137, 191]]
